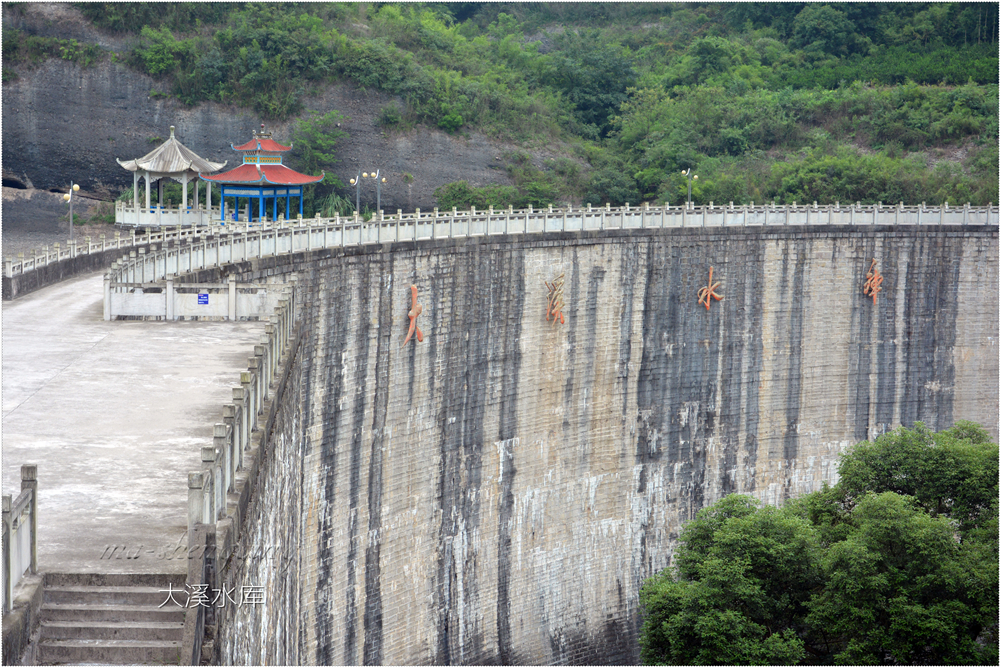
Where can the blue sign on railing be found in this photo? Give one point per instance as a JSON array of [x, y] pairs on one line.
[[202, 299]]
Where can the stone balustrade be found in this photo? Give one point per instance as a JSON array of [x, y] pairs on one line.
[[20, 534], [341, 231], [128, 215], [214, 490]]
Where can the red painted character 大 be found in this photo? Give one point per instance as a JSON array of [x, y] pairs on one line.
[[415, 311]]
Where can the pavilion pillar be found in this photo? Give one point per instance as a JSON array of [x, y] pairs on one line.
[[288, 203], [184, 192], [135, 190], [300, 202], [147, 191], [159, 192], [196, 200], [260, 205]]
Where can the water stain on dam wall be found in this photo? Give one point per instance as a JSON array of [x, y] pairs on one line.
[[498, 492]]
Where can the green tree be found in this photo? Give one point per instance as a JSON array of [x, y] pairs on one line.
[[737, 593], [897, 563], [952, 473], [823, 29], [313, 150], [902, 589]]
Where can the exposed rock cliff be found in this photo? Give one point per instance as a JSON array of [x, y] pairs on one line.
[[62, 122]]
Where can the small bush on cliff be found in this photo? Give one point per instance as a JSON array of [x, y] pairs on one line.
[[897, 563]]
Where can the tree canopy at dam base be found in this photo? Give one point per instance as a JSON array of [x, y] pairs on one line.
[[895, 564]]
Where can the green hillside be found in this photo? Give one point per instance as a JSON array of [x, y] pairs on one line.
[[783, 101]]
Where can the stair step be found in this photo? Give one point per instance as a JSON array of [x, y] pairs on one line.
[[136, 630], [138, 595], [111, 612], [114, 579], [109, 651]]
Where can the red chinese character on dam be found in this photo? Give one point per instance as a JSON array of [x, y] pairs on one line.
[[873, 284], [415, 310], [555, 301], [706, 293]]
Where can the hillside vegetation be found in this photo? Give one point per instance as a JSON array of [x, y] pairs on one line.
[[784, 101]]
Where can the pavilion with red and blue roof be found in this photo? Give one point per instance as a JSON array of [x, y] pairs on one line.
[[262, 177]]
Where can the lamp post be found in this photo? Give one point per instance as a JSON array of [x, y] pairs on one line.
[[73, 187], [690, 178], [378, 188], [356, 182]]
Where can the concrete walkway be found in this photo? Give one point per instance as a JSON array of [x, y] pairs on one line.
[[115, 415]]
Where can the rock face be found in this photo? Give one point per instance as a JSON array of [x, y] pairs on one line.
[[62, 122], [498, 492]]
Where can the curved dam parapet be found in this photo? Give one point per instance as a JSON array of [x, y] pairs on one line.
[[497, 492]]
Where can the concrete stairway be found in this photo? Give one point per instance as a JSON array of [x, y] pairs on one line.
[[111, 619]]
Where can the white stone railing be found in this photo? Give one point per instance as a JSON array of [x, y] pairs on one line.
[[171, 300], [128, 215], [411, 226], [20, 534], [218, 245], [239, 432], [44, 256]]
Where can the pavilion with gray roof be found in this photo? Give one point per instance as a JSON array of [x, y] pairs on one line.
[[174, 160]]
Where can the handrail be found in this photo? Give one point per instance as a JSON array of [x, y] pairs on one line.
[[20, 534], [519, 220]]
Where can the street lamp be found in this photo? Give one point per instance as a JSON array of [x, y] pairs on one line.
[[378, 188], [73, 187], [690, 178], [356, 182]]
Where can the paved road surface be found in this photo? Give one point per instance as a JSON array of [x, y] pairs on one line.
[[115, 415]]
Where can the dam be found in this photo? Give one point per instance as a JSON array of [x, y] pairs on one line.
[[497, 492]]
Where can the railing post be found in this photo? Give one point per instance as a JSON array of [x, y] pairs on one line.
[[196, 500], [232, 420], [243, 414], [210, 465], [29, 481], [247, 380], [107, 297], [265, 362], [8, 579], [222, 440]]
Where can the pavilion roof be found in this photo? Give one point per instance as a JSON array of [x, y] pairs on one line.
[[262, 144], [273, 174], [262, 141], [171, 157]]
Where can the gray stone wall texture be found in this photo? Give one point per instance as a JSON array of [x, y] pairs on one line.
[[498, 492]]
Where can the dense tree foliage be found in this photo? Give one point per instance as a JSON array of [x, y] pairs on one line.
[[768, 101], [896, 563]]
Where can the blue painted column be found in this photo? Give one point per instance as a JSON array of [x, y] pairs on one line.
[[260, 204], [300, 201], [288, 202]]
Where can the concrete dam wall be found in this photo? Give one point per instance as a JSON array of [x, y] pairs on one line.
[[498, 492]]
